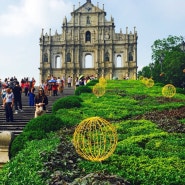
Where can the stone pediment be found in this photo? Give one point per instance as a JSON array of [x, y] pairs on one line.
[[88, 7]]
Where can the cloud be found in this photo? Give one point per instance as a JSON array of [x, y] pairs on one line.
[[21, 23], [27, 15]]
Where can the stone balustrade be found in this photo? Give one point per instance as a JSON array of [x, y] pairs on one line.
[[5, 140]]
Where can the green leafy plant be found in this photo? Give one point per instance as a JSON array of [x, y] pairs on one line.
[[92, 82], [150, 128], [67, 103], [83, 89], [27, 165], [36, 128]]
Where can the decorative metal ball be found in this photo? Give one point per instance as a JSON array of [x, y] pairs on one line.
[[95, 139], [144, 80], [102, 81], [99, 90], [141, 78], [149, 83], [168, 91]]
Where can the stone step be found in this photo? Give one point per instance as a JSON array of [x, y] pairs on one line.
[[22, 118]]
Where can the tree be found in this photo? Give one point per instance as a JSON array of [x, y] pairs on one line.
[[169, 61], [145, 72]]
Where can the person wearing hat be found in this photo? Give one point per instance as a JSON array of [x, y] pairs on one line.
[[8, 103]]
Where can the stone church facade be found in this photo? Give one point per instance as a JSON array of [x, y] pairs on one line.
[[88, 45]]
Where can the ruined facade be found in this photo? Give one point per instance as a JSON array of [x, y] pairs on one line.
[[88, 45]]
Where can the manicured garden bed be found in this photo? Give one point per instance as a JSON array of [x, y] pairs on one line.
[[150, 148]]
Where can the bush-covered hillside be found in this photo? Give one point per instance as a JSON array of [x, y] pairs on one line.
[[150, 148]]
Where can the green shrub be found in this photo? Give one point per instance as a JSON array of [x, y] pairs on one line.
[[25, 167], [19, 141], [70, 117], [35, 129], [159, 84], [67, 103], [180, 90], [46, 123], [92, 83], [83, 89]]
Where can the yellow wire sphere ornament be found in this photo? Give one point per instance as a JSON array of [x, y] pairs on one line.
[[168, 91], [95, 139], [103, 81], [99, 90], [141, 77], [149, 83]]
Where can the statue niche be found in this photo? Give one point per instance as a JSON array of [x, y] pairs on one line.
[[45, 57]]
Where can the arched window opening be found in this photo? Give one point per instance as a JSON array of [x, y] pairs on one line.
[[88, 61], [58, 62], [88, 36], [118, 61]]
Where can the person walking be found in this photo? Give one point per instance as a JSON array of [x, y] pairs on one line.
[[77, 82], [69, 80], [55, 89], [26, 88], [17, 91], [8, 103], [31, 97], [3, 92]]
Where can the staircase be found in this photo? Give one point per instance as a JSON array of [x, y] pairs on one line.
[[22, 118]]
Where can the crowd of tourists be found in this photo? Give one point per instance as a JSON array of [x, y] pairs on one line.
[[11, 91]]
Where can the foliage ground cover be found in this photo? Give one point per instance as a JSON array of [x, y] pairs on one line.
[[24, 168], [151, 137]]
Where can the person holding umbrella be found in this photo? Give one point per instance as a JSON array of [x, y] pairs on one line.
[[81, 78]]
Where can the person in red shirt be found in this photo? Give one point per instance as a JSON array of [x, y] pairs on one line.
[[26, 88], [55, 89]]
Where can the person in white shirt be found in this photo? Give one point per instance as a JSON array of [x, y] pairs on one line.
[[69, 80], [8, 103], [77, 82]]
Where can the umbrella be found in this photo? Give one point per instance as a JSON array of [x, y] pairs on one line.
[[52, 81], [81, 76]]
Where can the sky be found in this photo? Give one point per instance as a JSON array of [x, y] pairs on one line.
[[21, 23]]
